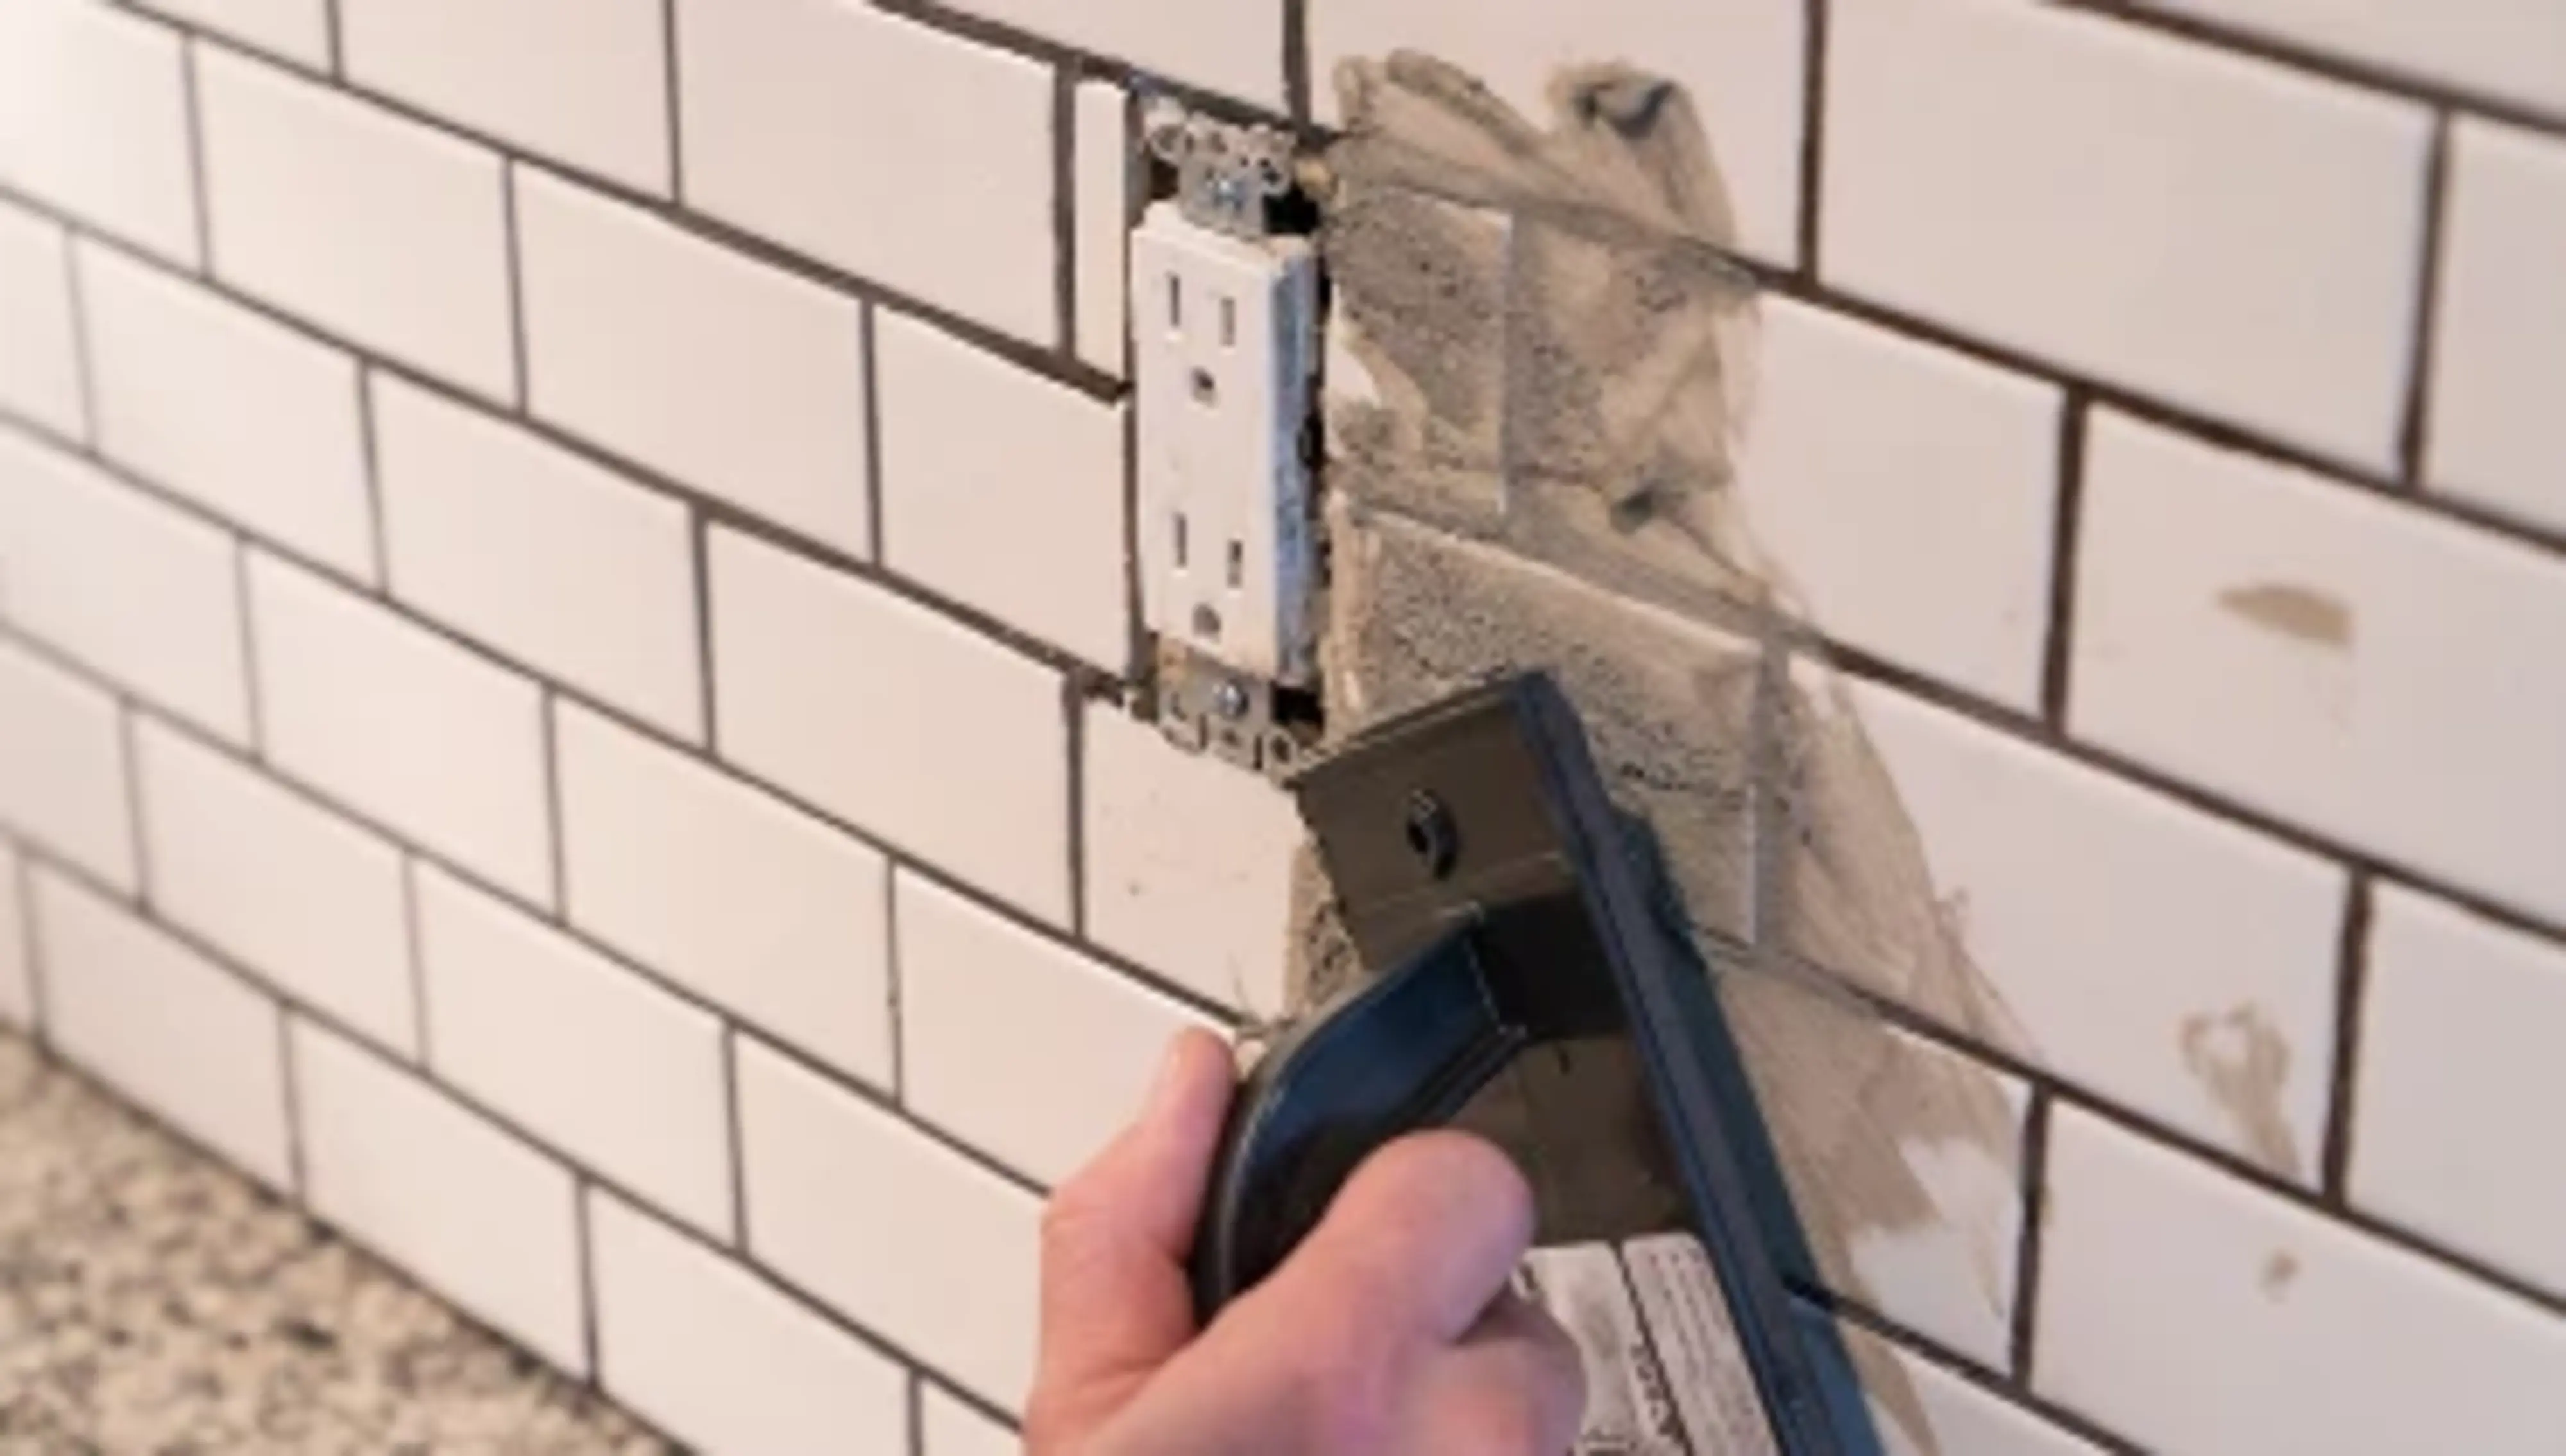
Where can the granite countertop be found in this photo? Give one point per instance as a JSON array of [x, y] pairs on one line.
[[152, 1301]]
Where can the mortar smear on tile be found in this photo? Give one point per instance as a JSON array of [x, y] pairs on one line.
[[1540, 367]]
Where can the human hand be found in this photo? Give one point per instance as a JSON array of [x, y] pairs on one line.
[[1390, 1331]]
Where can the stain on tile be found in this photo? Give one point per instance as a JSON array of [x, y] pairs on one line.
[[2244, 1062], [2280, 1271], [2318, 618]]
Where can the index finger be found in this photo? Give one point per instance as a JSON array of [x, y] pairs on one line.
[[1428, 1231]]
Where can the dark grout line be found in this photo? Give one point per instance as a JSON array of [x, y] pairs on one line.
[[694, 753], [514, 248], [1858, 999], [1297, 97], [2373, 76], [556, 822], [2035, 1211], [893, 985], [1073, 736], [2066, 541], [84, 338], [2219, 433], [583, 1193], [199, 193], [720, 512], [2414, 431], [1064, 208], [671, 27], [1961, 1367], [137, 814], [254, 697], [707, 699], [298, 1168], [1855, 663], [916, 1397], [2352, 989], [877, 548], [414, 945], [736, 1134], [1813, 131], [378, 500], [873, 1097], [335, 24]]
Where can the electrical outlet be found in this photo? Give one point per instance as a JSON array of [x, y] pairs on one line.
[[1225, 338]]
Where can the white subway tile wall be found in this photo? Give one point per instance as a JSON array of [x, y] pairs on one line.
[[94, 119], [565, 662], [543, 557], [442, 1191], [382, 230], [178, 1033], [251, 420], [2495, 435], [637, 1094], [584, 81], [712, 1356], [735, 379], [170, 630], [40, 370]]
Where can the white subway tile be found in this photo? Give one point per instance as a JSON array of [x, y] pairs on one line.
[[420, 735], [40, 361], [578, 1051], [1188, 863], [63, 781], [1234, 47], [742, 381], [295, 30], [1952, 468], [2496, 434], [442, 1192], [727, 890], [190, 1042], [1919, 1407], [2189, 1311], [2458, 1082], [905, 1237], [1046, 1086], [903, 722], [291, 892], [244, 416], [2515, 49], [2167, 954], [1024, 523], [705, 1352], [2235, 237], [583, 81], [951, 1428], [169, 631], [94, 120], [551, 560], [1738, 61], [909, 156], [375, 227], [17, 971], [2340, 660], [1103, 170]]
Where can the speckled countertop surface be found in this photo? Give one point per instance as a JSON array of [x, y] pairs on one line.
[[153, 1302]]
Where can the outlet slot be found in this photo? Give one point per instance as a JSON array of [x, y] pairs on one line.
[[1179, 540]]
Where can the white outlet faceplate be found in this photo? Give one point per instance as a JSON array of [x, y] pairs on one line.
[[1225, 336]]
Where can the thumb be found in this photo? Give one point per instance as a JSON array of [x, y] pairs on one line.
[[1115, 1299]]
